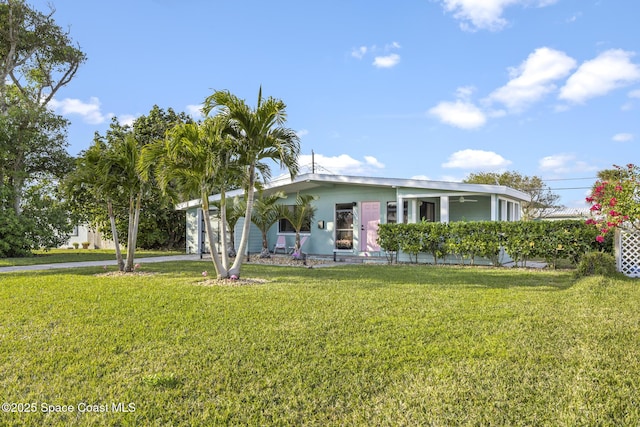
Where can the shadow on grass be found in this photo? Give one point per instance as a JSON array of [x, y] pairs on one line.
[[363, 276]]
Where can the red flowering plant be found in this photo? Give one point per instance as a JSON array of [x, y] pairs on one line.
[[615, 203]]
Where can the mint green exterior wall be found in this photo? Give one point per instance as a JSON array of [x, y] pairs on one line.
[[321, 241]]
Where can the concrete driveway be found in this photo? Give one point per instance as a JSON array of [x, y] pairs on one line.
[[97, 263]]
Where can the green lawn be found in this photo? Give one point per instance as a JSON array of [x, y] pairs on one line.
[[55, 256], [366, 345]]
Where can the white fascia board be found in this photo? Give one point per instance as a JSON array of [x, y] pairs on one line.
[[415, 184]]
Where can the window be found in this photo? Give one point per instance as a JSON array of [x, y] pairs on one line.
[[344, 226], [284, 226], [428, 211], [392, 212]]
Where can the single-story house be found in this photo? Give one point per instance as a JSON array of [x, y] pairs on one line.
[[83, 234], [349, 209], [568, 213]]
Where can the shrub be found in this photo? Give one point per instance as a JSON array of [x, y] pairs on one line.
[[596, 263]]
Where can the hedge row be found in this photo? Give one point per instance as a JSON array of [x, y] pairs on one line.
[[522, 241]]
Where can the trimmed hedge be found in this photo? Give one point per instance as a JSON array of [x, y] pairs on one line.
[[467, 241]]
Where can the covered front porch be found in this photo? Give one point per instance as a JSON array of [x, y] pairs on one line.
[[451, 207]]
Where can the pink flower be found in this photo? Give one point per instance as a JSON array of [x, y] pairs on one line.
[[233, 277], [137, 266], [591, 221], [590, 199], [204, 273], [596, 207], [613, 202], [600, 239], [618, 188], [613, 213]]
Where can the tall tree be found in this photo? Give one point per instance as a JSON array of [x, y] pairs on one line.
[[92, 185], [543, 200], [37, 58], [258, 135], [196, 160]]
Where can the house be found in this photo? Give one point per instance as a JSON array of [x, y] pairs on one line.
[[349, 209], [568, 213], [83, 234]]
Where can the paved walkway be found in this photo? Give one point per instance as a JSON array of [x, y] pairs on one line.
[[97, 263]]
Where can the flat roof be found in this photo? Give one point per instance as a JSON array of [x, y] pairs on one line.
[[309, 181]]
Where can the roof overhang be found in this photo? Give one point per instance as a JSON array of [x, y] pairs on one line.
[[310, 181]]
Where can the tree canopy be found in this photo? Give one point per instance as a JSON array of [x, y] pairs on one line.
[[37, 58], [543, 200]]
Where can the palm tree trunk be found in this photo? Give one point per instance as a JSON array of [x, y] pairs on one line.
[[221, 271], [244, 240], [114, 232], [223, 229], [132, 238]]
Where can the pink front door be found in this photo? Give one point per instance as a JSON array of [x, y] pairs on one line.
[[369, 220]]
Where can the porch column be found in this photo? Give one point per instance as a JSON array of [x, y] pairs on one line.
[[494, 207], [444, 209], [399, 210], [414, 209]]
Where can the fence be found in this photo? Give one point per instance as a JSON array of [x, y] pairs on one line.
[[628, 252]]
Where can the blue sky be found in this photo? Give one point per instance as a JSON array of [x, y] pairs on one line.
[[421, 88]]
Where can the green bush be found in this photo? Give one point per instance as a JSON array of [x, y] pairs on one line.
[[522, 240], [596, 263]]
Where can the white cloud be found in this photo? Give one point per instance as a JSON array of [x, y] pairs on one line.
[[558, 163], [302, 132], [195, 111], [341, 165], [622, 137], [127, 119], [421, 177], [564, 163], [384, 57], [372, 161], [485, 14], [388, 61], [461, 113], [359, 52], [89, 111], [634, 93], [608, 71], [534, 78], [476, 159]]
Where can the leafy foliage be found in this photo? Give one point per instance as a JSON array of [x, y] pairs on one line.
[[596, 263], [522, 241], [543, 200], [615, 200], [37, 58]]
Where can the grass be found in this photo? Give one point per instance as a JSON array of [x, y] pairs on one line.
[[55, 256], [351, 345]]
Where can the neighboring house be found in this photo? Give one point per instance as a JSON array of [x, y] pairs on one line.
[[568, 213], [349, 209], [82, 234]]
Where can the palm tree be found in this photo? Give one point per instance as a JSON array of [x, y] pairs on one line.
[[120, 162], [265, 214], [198, 160], [93, 176], [258, 135], [299, 215]]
